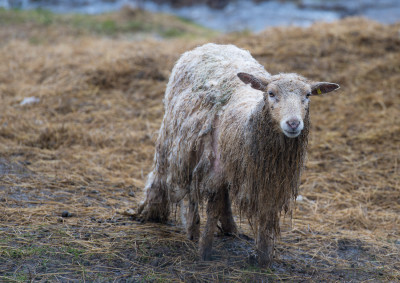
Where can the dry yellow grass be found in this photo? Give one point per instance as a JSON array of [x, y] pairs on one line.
[[88, 144]]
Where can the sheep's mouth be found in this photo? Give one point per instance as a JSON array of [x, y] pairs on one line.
[[291, 134]]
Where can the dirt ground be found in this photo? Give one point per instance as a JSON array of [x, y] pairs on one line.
[[76, 158]]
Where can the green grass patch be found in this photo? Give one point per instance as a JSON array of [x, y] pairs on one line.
[[110, 24], [16, 16], [22, 252]]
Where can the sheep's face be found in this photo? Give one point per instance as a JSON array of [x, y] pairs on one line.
[[288, 104], [287, 96]]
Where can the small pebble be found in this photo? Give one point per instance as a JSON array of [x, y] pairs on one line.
[[66, 214], [29, 100]]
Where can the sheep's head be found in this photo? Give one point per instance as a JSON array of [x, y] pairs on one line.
[[287, 96]]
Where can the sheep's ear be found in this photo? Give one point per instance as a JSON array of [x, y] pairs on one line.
[[323, 87], [255, 82]]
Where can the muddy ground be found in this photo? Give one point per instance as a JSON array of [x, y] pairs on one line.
[[76, 158]]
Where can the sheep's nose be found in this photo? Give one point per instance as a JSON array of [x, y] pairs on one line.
[[293, 124]]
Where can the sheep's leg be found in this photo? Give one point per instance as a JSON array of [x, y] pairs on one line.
[[265, 243], [156, 205], [228, 225], [193, 219], [213, 212]]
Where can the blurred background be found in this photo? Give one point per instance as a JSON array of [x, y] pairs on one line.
[[232, 15]]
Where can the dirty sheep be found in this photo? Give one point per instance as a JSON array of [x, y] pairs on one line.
[[231, 131]]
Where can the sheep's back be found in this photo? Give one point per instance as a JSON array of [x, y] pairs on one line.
[[210, 72]]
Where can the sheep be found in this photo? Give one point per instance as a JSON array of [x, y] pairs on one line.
[[231, 131]]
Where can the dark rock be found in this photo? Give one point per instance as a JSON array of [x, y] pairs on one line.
[[66, 214]]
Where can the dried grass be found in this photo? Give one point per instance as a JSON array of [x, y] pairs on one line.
[[87, 146]]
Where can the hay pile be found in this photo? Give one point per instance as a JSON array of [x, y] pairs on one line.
[[86, 146]]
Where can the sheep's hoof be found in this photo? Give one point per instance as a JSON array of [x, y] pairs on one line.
[[193, 237], [245, 237], [254, 259], [148, 217], [264, 260], [139, 215], [152, 214], [205, 254], [264, 264], [230, 231], [139, 218]]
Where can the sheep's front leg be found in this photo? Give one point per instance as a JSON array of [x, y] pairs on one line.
[[228, 225], [213, 212], [193, 219], [265, 243]]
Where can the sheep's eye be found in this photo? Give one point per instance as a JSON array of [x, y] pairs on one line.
[[308, 94], [271, 94]]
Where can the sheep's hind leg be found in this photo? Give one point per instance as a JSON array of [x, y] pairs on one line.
[[228, 225], [156, 205], [193, 219], [213, 213]]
